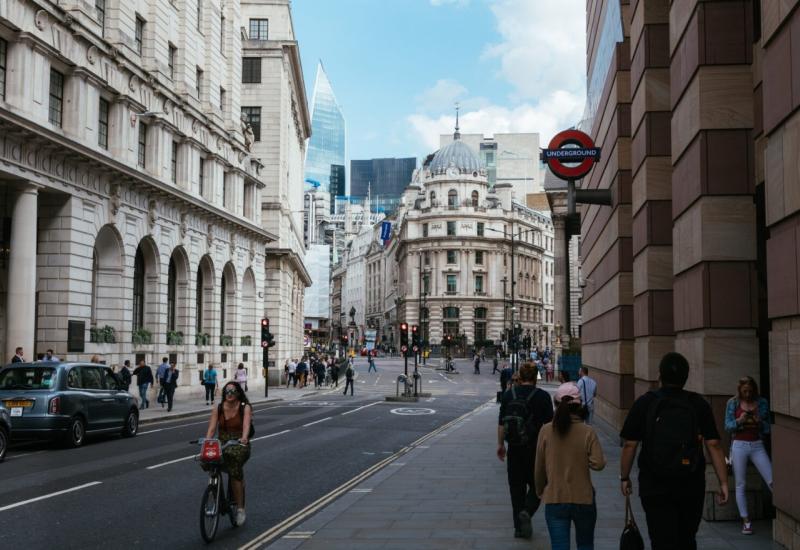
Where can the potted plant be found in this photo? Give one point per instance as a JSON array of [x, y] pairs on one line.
[[202, 339], [225, 340], [174, 338], [141, 337], [247, 340]]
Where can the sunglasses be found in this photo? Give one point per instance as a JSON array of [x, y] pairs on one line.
[[230, 391]]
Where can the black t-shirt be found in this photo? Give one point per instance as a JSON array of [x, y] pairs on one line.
[[634, 430], [541, 404]]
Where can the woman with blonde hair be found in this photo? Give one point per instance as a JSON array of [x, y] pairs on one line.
[[747, 420]]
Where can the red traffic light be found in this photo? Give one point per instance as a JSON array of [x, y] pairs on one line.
[[414, 328], [404, 326], [265, 322]]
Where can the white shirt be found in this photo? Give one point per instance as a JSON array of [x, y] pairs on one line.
[[588, 390], [292, 367]]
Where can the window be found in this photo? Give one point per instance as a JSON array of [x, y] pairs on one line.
[[450, 312], [56, 97], [259, 29], [427, 256], [480, 229], [451, 283], [451, 256], [171, 61], [3, 52], [478, 284], [222, 307], [138, 290], [199, 82], [174, 169], [198, 301], [102, 124], [475, 199], [91, 379], [222, 34], [202, 176], [433, 197], [200, 15], [479, 257], [100, 9], [225, 191], [139, 34], [480, 313], [424, 229], [222, 100], [452, 198], [251, 70], [451, 228], [253, 115], [142, 144], [172, 281]]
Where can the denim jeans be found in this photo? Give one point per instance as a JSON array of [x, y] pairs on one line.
[[143, 396], [559, 518], [741, 452]]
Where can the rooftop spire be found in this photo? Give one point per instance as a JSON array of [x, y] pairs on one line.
[[457, 134]]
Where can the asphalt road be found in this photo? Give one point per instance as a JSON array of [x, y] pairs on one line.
[[145, 491]]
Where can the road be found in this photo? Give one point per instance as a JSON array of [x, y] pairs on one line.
[[145, 491]]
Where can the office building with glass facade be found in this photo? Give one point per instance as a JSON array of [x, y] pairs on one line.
[[383, 179], [326, 148]]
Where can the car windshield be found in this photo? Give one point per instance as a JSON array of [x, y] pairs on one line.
[[27, 378]]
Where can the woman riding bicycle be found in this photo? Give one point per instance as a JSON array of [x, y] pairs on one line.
[[229, 420]]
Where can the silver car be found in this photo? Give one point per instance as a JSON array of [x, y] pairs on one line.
[[67, 401]]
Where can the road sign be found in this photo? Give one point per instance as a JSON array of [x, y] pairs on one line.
[[570, 146], [412, 411], [416, 349], [404, 348]]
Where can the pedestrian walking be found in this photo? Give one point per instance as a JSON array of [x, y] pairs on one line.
[[672, 424], [210, 383], [335, 367], [292, 374], [161, 373], [566, 451], [495, 362], [548, 369], [50, 358], [524, 409], [18, 356], [747, 420], [144, 379], [241, 376], [477, 364], [587, 387], [125, 375], [372, 367], [170, 384], [505, 377], [349, 374]]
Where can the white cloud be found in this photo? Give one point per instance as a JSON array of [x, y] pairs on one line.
[[441, 96]]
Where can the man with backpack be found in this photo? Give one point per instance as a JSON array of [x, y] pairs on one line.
[[672, 425], [524, 409]]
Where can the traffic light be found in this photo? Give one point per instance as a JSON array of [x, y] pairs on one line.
[[267, 339], [404, 334], [344, 339], [415, 335]]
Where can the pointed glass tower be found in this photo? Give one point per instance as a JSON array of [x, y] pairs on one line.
[[326, 148]]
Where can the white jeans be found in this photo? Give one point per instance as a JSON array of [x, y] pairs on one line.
[[741, 452]]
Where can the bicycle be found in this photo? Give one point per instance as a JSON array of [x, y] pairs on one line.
[[215, 502]]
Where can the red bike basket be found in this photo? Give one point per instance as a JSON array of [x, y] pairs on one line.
[[211, 451]]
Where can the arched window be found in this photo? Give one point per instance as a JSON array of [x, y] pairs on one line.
[[95, 266], [433, 197], [172, 280], [475, 199], [138, 290], [198, 300], [452, 198], [222, 307]]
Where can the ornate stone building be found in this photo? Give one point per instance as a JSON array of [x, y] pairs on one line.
[[131, 213], [454, 253]]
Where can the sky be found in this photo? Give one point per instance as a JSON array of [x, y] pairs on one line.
[[398, 67]]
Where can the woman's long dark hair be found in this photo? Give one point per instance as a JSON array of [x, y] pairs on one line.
[[562, 421]]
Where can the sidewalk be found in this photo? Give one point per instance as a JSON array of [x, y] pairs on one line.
[[451, 492], [194, 403]]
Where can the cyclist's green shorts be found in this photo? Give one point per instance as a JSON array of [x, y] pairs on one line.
[[234, 456]]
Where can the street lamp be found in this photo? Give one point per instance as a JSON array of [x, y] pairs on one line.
[[513, 345]]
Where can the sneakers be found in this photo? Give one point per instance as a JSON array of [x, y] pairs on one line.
[[240, 516], [747, 528], [525, 529]]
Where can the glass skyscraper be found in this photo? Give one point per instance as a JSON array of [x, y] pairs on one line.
[[384, 180], [326, 148]]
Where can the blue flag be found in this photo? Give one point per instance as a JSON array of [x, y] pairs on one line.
[[386, 231]]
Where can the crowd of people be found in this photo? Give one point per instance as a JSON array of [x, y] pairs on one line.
[[550, 448], [323, 370]]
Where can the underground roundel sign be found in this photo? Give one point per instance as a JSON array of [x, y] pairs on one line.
[[573, 148]]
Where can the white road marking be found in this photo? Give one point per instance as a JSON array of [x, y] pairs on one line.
[[317, 421], [363, 407], [412, 411], [51, 495], [446, 378], [170, 462], [377, 380], [270, 435]]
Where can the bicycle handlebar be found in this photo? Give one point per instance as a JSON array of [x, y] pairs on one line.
[[224, 446]]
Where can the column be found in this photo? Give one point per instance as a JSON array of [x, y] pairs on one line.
[[21, 298], [560, 273]]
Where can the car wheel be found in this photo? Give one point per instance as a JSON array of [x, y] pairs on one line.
[[131, 426], [77, 432], [3, 443]]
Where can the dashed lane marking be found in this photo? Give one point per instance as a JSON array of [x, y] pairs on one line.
[[317, 421], [51, 495]]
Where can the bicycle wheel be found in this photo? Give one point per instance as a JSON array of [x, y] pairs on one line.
[[209, 512]]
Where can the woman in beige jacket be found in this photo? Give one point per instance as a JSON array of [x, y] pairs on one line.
[[567, 449]]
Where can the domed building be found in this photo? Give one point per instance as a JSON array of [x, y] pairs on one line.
[[455, 255]]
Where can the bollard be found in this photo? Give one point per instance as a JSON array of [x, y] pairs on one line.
[[417, 384], [402, 378]]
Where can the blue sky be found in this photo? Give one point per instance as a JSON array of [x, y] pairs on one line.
[[398, 66]]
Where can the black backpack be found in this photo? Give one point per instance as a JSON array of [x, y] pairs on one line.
[[520, 426], [241, 413], [672, 441]]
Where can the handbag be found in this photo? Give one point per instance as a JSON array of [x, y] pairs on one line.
[[631, 538]]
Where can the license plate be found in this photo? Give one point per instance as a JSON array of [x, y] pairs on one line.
[[19, 403], [16, 411]]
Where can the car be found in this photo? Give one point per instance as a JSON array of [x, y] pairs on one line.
[[5, 432], [66, 401]]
